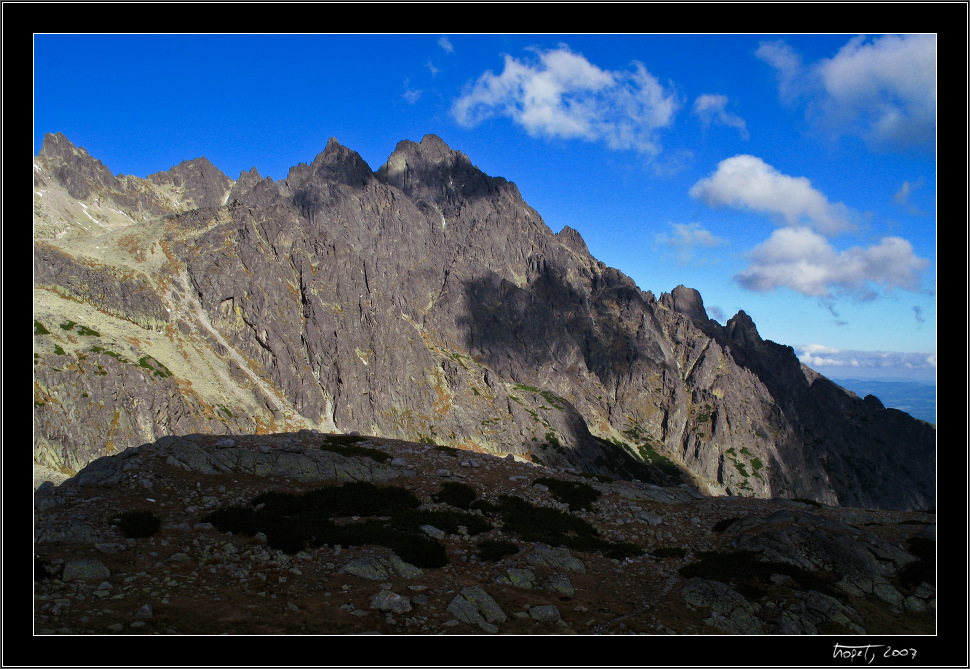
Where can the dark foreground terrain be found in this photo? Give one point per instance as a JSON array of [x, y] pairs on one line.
[[492, 546]]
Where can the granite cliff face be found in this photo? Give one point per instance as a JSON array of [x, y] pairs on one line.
[[424, 301]]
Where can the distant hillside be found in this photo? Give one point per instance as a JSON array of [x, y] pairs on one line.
[[916, 399]]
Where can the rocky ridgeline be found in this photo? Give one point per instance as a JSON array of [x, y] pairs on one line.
[[140, 543], [423, 301]]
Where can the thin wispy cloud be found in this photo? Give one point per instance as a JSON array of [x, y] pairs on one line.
[[560, 94], [803, 261], [685, 237], [902, 195], [788, 69], [882, 89], [411, 95], [747, 182], [445, 44], [711, 109], [918, 314]]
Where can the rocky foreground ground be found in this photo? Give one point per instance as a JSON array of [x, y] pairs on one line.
[[507, 548]]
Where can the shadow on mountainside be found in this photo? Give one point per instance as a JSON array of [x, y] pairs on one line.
[[546, 322]]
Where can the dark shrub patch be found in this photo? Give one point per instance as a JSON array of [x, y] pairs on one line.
[[576, 495], [484, 506], [545, 525], [456, 494], [409, 520], [750, 576], [623, 549], [138, 524], [556, 528], [293, 522], [924, 568], [238, 519], [279, 502], [42, 568], [360, 498], [665, 552], [421, 551], [345, 444], [805, 500], [723, 524], [496, 550], [343, 439]]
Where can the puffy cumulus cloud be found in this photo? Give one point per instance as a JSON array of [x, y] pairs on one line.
[[804, 261], [816, 356], [685, 237], [882, 89], [747, 182], [712, 109], [561, 94]]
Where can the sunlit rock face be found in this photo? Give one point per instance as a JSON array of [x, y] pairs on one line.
[[424, 301]]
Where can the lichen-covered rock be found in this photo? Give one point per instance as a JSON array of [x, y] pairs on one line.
[[555, 558], [729, 611], [85, 570], [476, 607]]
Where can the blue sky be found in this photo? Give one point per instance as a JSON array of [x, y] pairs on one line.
[[791, 176]]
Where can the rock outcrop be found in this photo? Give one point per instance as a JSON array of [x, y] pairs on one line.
[[286, 534], [423, 301]]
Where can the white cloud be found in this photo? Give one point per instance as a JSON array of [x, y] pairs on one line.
[[788, 67], [747, 182], [817, 356], [882, 89], [803, 261], [685, 237], [711, 108], [411, 95], [445, 44], [432, 69], [560, 94], [902, 195]]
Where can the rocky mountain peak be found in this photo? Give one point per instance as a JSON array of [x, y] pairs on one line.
[[741, 329], [573, 240], [431, 169], [196, 180], [74, 168], [56, 144], [687, 301], [338, 163]]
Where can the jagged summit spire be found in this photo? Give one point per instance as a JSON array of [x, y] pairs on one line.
[[432, 168], [688, 301]]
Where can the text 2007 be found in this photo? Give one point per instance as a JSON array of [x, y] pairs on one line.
[[870, 652]]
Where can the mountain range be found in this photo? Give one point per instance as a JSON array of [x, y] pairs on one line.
[[423, 301]]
